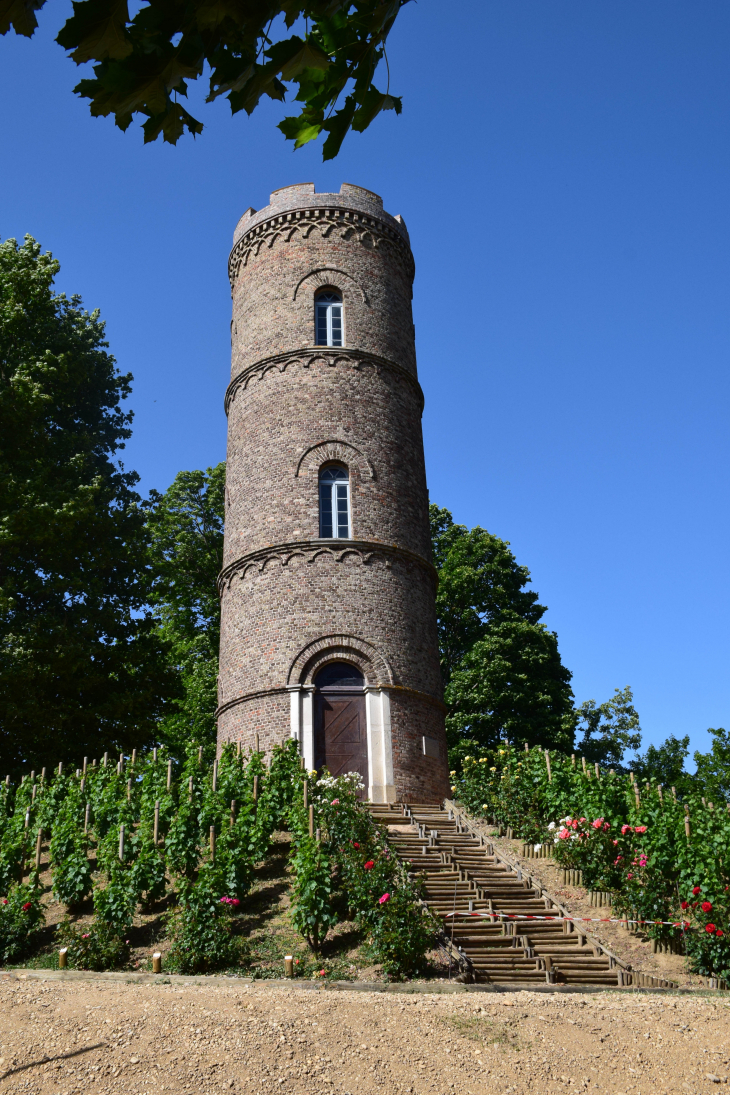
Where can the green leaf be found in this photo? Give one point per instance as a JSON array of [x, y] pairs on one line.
[[20, 15]]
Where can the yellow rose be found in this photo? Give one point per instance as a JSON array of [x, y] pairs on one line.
[[492, 769]]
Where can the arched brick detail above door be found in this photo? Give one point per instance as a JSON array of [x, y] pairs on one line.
[[348, 648]]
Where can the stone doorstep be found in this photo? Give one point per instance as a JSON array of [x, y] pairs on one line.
[[409, 988]]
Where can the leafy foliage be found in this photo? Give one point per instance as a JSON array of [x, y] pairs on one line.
[[353, 855], [20, 917], [662, 854], [144, 62], [81, 667], [501, 667], [185, 526], [609, 728]]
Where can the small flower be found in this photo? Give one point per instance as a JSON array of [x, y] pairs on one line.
[[615, 842], [629, 875], [710, 928], [598, 823], [86, 935], [369, 865], [26, 906], [696, 890], [5, 901], [355, 844], [640, 829], [452, 773], [551, 826], [335, 802], [625, 829], [382, 900], [706, 906], [685, 904], [235, 901], [492, 769], [322, 973], [296, 961], [719, 931]]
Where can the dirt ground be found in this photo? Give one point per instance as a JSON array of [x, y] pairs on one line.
[[64, 1038]]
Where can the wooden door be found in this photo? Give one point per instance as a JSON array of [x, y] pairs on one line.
[[340, 733]]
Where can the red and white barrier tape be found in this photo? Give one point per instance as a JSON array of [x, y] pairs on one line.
[[573, 919]]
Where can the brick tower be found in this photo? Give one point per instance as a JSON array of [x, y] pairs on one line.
[[328, 629]]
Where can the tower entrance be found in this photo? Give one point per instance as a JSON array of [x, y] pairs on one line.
[[340, 725]]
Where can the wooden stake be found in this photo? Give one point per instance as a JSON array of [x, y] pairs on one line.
[[154, 755], [7, 781], [62, 958], [27, 819], [598, 772], [572, 757], [134, 757], [674, 793], [83, 785], [200, 756], [319, 836], [43, 776], [35, 787], [311, 820], [547, 762], [190, 788], [256, 742], [527, 748], [238, 748], [583, 762], [60, 768], [87, 812], [637, 795], [106, 759], [233, 812], [121, 843], [119, 768], [212, 842], [305, 792], [169, 774], [86, 761], [255, 788], [215, 776], [687, 831], [129, 790], [288, 965], [38, 842], [659, 792], [156, 833], [157, 962], [121, 760]]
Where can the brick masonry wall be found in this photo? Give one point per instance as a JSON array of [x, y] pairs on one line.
[[293, 407]]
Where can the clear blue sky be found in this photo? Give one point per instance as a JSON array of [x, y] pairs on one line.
[[563, 168]]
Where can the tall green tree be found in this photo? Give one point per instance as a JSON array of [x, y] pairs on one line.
[[502, 671], [81, 664], [185, 525], [144, 61], [665, 764], [713, 768], [609, 728]]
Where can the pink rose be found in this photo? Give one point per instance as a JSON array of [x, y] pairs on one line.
[[625, 829], [382, 900], [335, 802], [640, 829], [597, 823]]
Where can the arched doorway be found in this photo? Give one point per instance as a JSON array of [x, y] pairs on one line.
[[340, 727]]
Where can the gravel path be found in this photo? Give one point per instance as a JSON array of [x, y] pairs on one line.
[[267, 1038]]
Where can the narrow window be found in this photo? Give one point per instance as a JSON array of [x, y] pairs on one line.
[[334, 504], [328, 318]]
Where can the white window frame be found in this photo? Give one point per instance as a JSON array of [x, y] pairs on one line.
[[331, 484], [327, 307]]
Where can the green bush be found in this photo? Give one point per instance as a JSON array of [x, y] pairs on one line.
[[98, 946], [201, 929], [20, 916]]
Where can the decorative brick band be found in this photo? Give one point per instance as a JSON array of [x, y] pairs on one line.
[[399, 688], [356, 359], [323, 451], [375, 668], [323, 276], [347, 224], [310, 550]]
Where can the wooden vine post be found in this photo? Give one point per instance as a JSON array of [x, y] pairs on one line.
[[687, 830], [121, 843], [169, 774], [547, 765], [156, 832], [215, 776], [38, 843], [212, 843], [311, 820]]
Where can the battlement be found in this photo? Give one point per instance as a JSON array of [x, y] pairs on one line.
[[303, 196]]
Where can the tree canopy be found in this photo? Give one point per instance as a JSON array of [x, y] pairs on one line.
[[145, 61], [609, 728], [81, 666], [502, 671], [185, 525]]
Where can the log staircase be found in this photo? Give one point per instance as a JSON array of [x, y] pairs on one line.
[[467, 886]]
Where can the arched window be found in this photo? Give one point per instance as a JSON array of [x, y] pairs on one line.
[[334, 503], [328, 318]]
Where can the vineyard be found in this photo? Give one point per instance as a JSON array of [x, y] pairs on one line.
[[135, 832], [663, 858]]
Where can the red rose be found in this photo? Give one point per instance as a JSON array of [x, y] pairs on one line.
[[26, 906], [370, 864], [709, 928], [697, 890], [685, 904], [355, 844], [719, 931], [707, 906]]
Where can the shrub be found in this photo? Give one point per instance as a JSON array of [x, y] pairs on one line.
[[201, 929], [20, 916], [98, 946]]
